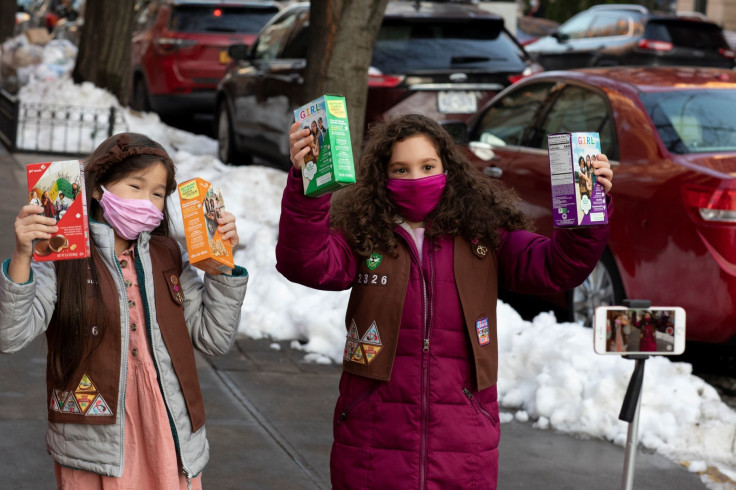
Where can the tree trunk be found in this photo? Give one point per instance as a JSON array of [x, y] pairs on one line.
[[104, 47], [342, 34], [7, 21]]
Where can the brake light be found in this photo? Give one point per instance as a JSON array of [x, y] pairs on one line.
[[384, 80], [713, 205], [727, 53], [217, 13], [167, 45], [655, 45]]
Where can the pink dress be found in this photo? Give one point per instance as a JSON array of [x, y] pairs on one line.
[[150, 455]]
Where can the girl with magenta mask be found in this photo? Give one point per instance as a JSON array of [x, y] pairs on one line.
[[124, 404], [424, 240]]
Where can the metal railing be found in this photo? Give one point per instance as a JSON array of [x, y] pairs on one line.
[[56, 128]]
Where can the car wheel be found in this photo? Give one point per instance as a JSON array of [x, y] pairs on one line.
[[226, 149], [601, 288], [140, 101]]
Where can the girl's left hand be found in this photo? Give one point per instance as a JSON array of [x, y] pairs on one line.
[[603, 172], [226, 227]]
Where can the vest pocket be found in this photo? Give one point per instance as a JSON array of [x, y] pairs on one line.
[[478, 407], [355, 403]]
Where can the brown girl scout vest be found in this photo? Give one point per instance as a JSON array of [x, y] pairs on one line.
[[377, 301], [91, 396]]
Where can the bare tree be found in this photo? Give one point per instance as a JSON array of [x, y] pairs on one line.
[[104, 47], [7, 21], [342, 34]]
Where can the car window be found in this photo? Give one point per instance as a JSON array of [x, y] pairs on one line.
[[701, 35], [407, 45], [507, 121], [691, 121], [296, 46], [608, 24], [273, 37], [220, 18], [577, 109], [576, 27]]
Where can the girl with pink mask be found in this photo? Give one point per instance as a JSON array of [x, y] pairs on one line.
[[425, 241], [124, 403]]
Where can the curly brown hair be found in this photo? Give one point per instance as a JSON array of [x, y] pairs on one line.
[[472, 204]]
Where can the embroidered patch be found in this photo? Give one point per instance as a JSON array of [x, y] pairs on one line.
[[174, 283], [373, 261], [70, 405], [174, 280], [481, 328], [371, 335], [350, 346], [353, 332], [371, 351], [358, 355], [372, 279], [54, 404], [85, 385], [84, 400], [99, 408]]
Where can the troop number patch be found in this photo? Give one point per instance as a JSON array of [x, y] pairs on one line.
[[373, 279]]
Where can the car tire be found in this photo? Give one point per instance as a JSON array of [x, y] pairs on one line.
[[140, 100], [227, 151], [601, 288]]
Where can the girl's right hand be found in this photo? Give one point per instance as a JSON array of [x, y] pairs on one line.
[[29, 225], [299, 140]]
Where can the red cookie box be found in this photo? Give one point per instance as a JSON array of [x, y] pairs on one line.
[[59, 188]]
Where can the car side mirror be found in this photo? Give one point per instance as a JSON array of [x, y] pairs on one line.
[[560, 36], [239, 52], [458, 130]]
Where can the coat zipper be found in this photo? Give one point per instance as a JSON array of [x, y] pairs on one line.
[[123, 358], [478, 407], [349, 408], [428, 309], [147, 311]]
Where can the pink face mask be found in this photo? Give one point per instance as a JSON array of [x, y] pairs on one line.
[[129, 217], [416, 198]]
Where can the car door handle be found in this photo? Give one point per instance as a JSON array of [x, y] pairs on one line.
[[494, 172]]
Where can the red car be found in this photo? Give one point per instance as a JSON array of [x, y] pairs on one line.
[[670, 134], [179, 50]]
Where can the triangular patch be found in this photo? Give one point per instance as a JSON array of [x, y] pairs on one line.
[[70, 405], [371, 351], [353, 332], [371, 336], [358, 355], [54, 404], [99, 408], [85, 385], [84, 400], [350, 346]]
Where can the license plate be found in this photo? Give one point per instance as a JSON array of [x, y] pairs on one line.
[[225, 58], [457, 102]]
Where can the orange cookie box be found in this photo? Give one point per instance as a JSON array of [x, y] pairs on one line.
[[201, 205]]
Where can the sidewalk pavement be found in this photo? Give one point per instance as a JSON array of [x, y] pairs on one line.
[[269, 416]]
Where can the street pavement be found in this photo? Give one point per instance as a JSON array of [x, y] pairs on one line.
[[269, 415]]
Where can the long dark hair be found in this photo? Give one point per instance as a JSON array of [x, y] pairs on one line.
[[115, 158], [472, 205]]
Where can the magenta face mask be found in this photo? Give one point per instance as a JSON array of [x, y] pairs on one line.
[[416, 198], [129, 217]]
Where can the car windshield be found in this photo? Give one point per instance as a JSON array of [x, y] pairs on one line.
[[694, 121], [413, 46], [198, 18]]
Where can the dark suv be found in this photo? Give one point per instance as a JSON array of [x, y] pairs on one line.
[[179, 50], [444, 60], [609, 35]]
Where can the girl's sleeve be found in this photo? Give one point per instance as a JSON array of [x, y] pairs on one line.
[[535, 264], [307, 251], [26, 309], [212, 306]]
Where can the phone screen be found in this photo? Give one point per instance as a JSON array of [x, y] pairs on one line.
[[619, 330]]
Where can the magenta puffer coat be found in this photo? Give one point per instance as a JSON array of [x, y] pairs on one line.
[[427, 427]]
